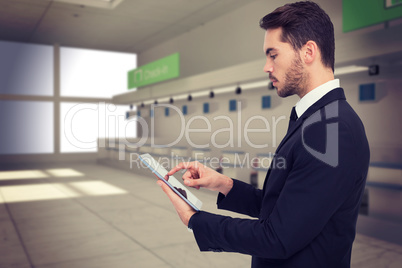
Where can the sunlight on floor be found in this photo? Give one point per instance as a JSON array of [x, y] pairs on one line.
[[97, 188], [21, 193], [22, 174], [47, 190], [64, 172]]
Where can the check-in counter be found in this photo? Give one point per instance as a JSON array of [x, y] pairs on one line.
[[179, 153], [260, 166], [131, 152], [236, 164], [201, 155], [145, 149], [103, 152], [385, 175], [161, 151]]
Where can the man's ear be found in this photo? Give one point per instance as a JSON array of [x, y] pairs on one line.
[[309, 52]]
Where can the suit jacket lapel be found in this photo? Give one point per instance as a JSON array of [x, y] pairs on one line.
[[333, 95]]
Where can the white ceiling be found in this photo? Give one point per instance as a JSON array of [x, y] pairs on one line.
[[131, 26], [127, 25]]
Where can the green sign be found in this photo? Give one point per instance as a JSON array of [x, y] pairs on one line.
[[154, 72], [359, 14]]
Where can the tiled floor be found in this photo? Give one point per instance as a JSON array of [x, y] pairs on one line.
[[89, 215]]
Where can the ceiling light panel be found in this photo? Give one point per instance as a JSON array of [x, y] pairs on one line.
[[107, 4]]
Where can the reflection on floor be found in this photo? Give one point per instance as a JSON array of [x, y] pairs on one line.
[[89, 215]]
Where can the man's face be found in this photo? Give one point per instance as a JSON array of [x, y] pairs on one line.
[[283, 64]]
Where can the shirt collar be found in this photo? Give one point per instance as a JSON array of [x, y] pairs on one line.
[[314, 95]]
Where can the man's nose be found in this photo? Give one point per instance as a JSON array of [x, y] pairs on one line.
[[268, 67]]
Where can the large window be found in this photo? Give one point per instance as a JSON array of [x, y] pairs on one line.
[[26, 127], [28, 122], [82, 123], [26, 69], [94, 73]]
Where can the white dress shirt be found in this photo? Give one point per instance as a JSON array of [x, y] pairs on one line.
[[314, 95]]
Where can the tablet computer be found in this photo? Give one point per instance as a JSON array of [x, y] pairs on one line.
[[173, 183]]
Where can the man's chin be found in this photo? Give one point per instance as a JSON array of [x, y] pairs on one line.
[[283, 93], [280, 93]]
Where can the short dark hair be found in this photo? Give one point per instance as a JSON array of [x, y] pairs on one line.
[[302, 22]]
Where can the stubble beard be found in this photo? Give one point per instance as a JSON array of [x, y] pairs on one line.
[[295, 80]]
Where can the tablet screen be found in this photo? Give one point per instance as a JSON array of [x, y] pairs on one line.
[[173, 183]]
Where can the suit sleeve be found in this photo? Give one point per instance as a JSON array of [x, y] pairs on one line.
[[312, 193], [243, 198]]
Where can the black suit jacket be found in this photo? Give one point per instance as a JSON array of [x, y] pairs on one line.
[[307, 210]]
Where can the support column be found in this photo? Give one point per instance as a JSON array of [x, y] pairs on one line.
[[56, 94]]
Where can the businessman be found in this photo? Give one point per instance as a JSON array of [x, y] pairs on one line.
[[305, 215]]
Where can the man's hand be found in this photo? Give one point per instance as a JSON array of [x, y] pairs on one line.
[[183, 209], [198, 175]]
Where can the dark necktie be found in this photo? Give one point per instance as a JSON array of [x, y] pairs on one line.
[[292, 118]]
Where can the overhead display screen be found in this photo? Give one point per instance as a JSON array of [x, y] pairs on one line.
[[358, 14]]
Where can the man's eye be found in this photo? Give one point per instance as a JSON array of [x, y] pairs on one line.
[[273, 56]]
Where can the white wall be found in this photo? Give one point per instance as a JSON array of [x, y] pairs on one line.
[[233, 42], [236, 38], [232, 39]]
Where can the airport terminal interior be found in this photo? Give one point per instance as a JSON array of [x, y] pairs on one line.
[[86, 87]]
